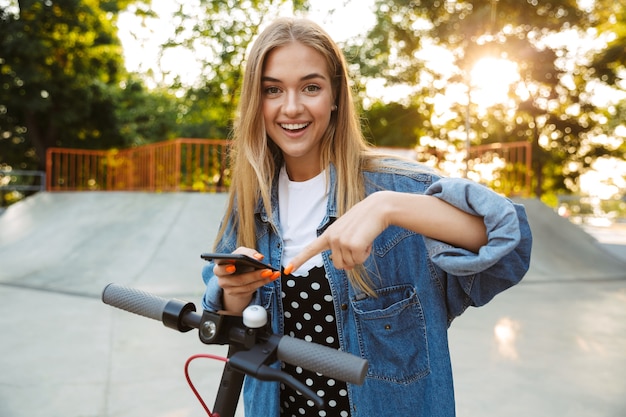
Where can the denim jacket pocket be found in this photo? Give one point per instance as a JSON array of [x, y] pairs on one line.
[[392, 334]]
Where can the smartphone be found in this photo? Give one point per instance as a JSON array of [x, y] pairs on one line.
[[243, 263]]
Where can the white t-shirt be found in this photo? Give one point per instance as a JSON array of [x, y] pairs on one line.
[[302, 207]]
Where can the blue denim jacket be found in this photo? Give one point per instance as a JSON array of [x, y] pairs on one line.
[[422, 285]]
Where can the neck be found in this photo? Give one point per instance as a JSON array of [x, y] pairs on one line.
[[302, 172]]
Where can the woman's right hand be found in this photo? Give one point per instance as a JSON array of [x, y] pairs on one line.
[[239, 287]]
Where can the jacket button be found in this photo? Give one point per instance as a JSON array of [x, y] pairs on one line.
[[344, 307]]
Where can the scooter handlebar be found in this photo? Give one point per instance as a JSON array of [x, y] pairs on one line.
[[322, 359], [134, 301], [314, 357]]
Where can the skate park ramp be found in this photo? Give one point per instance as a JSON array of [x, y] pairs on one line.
[[565, 252], [553, 345]]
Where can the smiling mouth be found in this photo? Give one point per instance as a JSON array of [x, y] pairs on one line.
[[294, 127]]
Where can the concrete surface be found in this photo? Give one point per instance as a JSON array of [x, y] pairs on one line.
[[554, 345]]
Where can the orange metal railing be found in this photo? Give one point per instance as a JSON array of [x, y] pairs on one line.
[[176, 165], [504, 167], [201, 165]]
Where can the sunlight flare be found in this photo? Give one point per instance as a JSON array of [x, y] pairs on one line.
[[490, 80]]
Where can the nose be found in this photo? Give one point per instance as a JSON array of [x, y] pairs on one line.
[[292, 105]]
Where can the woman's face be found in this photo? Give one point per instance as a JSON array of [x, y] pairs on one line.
[[297, 105]]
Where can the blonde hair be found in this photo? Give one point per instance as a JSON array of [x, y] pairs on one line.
[[255, 159]]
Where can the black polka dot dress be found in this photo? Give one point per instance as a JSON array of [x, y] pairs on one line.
[[310, 315]]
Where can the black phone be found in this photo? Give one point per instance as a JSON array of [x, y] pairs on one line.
[[243, 263]]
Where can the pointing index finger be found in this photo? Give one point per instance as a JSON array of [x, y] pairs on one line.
[[317, 246]]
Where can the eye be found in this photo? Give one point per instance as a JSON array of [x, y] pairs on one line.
[[271, 91], [312, 88]]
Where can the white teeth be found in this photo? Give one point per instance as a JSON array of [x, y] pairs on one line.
[[294, 126]]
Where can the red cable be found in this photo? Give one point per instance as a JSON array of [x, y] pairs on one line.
[[193, 388]]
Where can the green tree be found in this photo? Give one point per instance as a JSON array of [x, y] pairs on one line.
[[394, 124], [60, 60], [145, 116], [63, 82], [554, 113], [608, 66], [219, 32]]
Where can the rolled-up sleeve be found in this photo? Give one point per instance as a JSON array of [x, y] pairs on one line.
[[475, 278], [500, 218]]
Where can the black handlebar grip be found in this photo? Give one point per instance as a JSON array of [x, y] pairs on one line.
[[134, 301], [330, 362]]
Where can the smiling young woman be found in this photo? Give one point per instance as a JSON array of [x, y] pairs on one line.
[[377, 254]]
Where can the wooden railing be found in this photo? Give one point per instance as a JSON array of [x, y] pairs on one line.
[[176, 165]]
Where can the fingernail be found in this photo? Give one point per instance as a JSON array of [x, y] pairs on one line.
[[230, 269], [288, 269], [275, 275], [266, 273], [258, 256]]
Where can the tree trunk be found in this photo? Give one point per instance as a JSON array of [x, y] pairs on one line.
[[41, 141]]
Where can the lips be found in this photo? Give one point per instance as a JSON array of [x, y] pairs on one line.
[[294, 127]]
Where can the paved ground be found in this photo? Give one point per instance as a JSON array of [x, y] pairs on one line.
[[554, 345]]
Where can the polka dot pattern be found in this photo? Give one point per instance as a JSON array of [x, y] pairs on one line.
[[310, 315]]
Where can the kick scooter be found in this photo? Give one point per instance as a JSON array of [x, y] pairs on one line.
[[252, 347]]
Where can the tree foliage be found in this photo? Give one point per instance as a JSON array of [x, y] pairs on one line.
[[554, 113], [391, 124], [145, 116], [63, 83], [219, 32], [60, 59]]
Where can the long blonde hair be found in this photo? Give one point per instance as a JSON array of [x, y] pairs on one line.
[[255, 159]]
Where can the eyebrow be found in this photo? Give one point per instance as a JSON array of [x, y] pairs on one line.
[[305, 78]]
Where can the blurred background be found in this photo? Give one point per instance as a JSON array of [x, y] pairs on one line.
[[466, 86]]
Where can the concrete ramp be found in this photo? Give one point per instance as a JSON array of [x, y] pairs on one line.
[[563, 251], [76, 243], [554, 345]]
